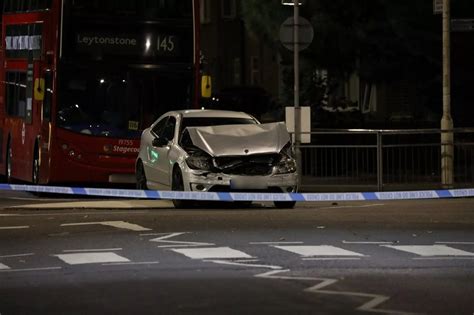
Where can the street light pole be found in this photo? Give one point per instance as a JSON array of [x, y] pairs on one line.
[[447, 137], [296, 66]]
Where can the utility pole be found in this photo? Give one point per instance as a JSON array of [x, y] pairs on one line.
[[296, 66], [447, 137]]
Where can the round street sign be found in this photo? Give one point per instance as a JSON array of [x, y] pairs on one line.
[[305, 33]]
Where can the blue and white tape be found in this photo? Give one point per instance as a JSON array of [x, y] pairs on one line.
[[234, 196]]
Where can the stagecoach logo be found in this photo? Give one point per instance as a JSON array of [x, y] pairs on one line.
[[121, 149], [23, 133]]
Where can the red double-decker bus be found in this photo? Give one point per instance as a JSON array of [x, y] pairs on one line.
[[80, 79]]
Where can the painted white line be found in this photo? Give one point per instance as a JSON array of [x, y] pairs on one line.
[[91, 258], [430, 250], [117, 224], [8, 215], [33, 199], [319, 250], [370, 306], [366, 243], [150, 234], [186, 245], [132, 263], [245, 260], [234, 263], [273, 243], [164, 239], [31, 269], [78, 213], [14, 227], [332, 258], [90, 250], [443, 258], [456, 243], [17, 255], [212, 253], [3, 267], [59, 234], [361, 206]]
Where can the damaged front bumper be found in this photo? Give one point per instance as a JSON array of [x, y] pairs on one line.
[[220, 182]]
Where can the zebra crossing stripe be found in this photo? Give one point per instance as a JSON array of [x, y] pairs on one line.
[[318, 250], [430, 250], [91, 258], [211, 253], [3, 267]]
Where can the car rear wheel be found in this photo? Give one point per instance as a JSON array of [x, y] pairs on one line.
[[284, 204], [36, 168], [141, 177], [177, 184]]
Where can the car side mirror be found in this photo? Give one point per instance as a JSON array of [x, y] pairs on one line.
[[159, 142]]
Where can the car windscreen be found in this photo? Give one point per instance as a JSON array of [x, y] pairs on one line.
[[215, 121]]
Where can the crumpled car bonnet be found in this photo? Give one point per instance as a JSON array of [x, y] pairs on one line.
[[234, 140]]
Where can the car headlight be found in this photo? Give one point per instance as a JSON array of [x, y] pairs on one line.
[[285, 166], [199, 160], [287, 163]]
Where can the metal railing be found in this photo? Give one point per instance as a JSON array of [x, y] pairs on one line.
[[383, 159]]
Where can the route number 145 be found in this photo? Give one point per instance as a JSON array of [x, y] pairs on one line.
[[166, 43]]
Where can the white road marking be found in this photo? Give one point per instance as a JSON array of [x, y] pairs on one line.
[[319, 250], [78, 213], [17, 255], [456, 243], [132, 263], [430, 250], [234, 263], [353, 206], [91, 258], [117, 224], [273, 243], [212, 253], [331, 258], [3, 267], [444, 258], [14, 227], [164, 239], [366, 243], [90, 250], [31, 269], [370, 306]]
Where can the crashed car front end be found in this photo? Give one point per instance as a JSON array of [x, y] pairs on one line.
[[256, 158]]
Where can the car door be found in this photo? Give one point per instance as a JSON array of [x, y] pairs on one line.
[[150, 159], [162, 165]]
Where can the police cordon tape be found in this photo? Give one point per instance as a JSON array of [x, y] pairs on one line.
[[239, 196]]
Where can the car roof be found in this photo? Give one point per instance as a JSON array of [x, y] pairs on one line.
[[189, 113]]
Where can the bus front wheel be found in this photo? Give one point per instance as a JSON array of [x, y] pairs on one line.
[[9, 157], [36, 168]]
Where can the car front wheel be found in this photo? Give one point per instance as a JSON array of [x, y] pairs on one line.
[[177, 184]]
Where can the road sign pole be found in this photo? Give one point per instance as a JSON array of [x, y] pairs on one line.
[[447, 137], [297, 115]]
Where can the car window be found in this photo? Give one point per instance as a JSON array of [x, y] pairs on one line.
[[168, 130], [158, 128]]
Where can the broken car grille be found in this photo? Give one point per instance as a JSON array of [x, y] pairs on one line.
[[247, 165]]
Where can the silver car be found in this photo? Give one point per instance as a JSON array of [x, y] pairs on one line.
[[216, 151]]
